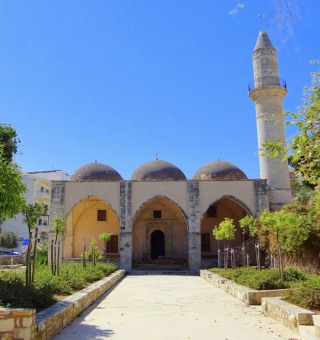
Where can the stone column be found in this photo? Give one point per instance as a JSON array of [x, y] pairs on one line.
[[56, 210], [194, 239], [261, 195], [125, 226]]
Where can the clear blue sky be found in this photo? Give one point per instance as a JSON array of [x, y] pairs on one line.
[[118, 81]]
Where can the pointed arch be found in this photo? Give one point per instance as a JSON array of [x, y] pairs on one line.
[[162, 215], [225, 206], [88, 218]]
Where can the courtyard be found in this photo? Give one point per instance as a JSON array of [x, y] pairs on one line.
[[171, 307]]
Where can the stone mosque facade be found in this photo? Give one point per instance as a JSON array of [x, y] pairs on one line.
[[160, 216]]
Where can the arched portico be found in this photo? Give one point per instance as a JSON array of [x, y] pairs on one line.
[[86, 221], [159, 231], [225, 207]]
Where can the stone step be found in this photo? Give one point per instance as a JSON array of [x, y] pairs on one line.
[[308, 332], [160, 272]]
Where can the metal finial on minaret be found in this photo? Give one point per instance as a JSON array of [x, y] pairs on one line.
[[261, 16]]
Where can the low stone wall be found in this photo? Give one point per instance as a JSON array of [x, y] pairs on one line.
[[8, 259], [287, 314], [18, 324], [244, 294]]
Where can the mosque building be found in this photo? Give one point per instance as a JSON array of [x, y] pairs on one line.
[[159, 215]]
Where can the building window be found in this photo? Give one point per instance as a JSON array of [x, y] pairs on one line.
[[212, 211], [205, 242], [156, 213], [102, 215], [45, 209], [112, 244], [41, 189], [40, 221]]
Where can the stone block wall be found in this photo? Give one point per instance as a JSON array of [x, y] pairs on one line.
[[17, 324]]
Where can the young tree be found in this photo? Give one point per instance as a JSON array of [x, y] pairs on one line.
[[31, 215], [249, 225], [58, 226], [105, 237], [225, 231]]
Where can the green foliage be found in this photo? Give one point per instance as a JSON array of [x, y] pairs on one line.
[[304, 149], [58, 226], [93, 252], [306, 296], [8, 239], [8, 141], [14, 292], [11, 189], [249, 224], [225, 231], [42, 254], [105, 237], [262, 279]]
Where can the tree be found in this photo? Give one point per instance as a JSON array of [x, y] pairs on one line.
[[105, 237], [11, 186], [303, 151], [8, 239], [225, 231], [11, 189], [58, 226], [8, 141], [31, 214], [249, 225]]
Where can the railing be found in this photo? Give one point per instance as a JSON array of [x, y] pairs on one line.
[[267, 81]]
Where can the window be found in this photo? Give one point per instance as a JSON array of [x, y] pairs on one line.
[[205, 242], [41, 189], [156, 213], [40, 221], [102, 215], [212, 211], [45, 209], [112, 244]]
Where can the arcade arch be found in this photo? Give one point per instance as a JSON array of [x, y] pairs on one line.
[[159, 231], [225, 207], [86, 221]]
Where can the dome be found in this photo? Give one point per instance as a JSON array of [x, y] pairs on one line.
[[158, 171], [220, 171], [96, 172]]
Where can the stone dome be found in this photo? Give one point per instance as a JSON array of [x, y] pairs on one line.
[[158, 171], [96, 172], [220, 171]]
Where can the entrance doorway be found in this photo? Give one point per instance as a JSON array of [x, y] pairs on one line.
[[157, 244]]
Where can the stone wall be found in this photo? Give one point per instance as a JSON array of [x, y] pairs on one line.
[[17, 323]]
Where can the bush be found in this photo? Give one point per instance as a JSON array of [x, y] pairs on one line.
[[307, 295], [14, 293], [293, 275]]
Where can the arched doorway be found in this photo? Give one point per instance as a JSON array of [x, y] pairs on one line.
[[159, 229], [157, 244]]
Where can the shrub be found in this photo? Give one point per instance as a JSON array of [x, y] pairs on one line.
[[293, 275], [307, 295]]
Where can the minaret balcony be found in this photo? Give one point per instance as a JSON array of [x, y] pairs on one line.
[[267, 81]]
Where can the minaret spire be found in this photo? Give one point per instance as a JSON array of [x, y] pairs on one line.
[[268, 95]]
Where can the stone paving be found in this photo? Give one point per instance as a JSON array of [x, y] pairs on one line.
[[172, 307]]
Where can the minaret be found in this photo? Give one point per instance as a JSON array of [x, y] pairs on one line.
[[268, 93]]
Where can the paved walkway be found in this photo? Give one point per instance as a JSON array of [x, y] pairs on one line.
[[171, 308]]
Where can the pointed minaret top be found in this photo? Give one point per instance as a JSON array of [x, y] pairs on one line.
[[263, 41]]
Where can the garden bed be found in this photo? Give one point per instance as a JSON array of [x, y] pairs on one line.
[[26, 324]]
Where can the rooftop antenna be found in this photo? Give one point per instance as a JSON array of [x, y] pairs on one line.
[[261, 16]]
